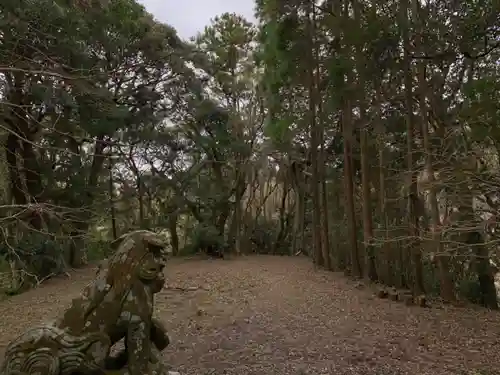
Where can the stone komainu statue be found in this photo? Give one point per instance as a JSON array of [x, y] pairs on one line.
[[117, 304]]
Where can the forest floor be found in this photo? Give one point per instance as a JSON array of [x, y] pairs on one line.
[[277, 315]]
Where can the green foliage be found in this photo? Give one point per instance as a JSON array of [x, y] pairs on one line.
[[279, 130], [37, 254], [481, 108], [265, 238], [470, 290], [97, 249], [204, 238], [99, 74], [262, 237]]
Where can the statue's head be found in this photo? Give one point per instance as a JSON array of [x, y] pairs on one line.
[[143, 254]]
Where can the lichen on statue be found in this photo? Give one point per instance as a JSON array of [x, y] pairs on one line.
[[117, 304]]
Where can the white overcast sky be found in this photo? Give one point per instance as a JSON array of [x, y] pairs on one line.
[[189, 17]]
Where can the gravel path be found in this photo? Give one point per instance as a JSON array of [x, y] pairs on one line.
[[276, 315]]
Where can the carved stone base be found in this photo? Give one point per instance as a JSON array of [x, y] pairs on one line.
[[49, 350]]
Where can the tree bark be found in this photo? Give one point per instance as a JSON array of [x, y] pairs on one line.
[[314, 141], [412, 193]]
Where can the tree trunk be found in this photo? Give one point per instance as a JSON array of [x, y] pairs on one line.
[[299, 218], [236, 222], [412, 193], [330, 264], [111, 199], [446, 282], [174, 237], [314, 143], [349, 193], [347, 132], [278, 243], [370, 266]]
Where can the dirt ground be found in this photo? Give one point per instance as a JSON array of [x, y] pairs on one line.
[[277, 315]]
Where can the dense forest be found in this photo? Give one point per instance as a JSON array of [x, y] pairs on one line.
[[362, 134]]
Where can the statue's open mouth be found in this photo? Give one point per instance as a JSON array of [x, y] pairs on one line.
[[153, 272]]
